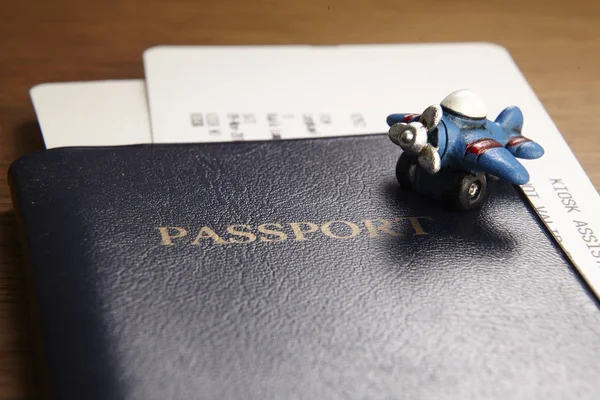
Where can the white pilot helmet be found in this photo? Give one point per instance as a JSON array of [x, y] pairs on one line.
[[466, 103]]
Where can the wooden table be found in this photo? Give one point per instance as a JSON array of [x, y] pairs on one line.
[[555, 43]]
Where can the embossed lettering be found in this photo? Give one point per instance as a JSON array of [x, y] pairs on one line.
[[318, 230], [167, 238], [299, 232], [264, 228], [354, 229], [207, 233], [377, 230], [235, 230], [414, 221]]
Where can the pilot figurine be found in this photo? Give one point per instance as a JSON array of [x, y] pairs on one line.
[[450, 150]]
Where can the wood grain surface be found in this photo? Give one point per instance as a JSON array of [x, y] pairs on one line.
[[555, 43]]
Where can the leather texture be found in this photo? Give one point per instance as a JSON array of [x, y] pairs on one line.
[[481, 306]]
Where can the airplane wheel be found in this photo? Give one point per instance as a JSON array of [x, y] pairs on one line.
[[406, 168], [466, 190]]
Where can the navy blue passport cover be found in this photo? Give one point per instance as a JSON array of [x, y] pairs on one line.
[[291, 270]]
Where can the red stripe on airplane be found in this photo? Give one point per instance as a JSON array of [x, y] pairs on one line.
[[480, 146], [408, 117], [515, 140]]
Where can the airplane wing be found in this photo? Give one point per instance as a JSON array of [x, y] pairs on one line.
[[487, 155], [406, 118], [510, 120]]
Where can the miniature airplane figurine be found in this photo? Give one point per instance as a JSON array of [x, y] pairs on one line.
[[452, 149]]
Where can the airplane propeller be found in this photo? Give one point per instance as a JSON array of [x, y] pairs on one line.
[[413, 138]]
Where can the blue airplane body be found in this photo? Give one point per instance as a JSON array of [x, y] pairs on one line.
[[481, 145]]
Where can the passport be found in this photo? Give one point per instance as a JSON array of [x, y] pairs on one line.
[[292, 269]]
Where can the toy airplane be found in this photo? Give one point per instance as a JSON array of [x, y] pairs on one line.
[[452, 149]]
